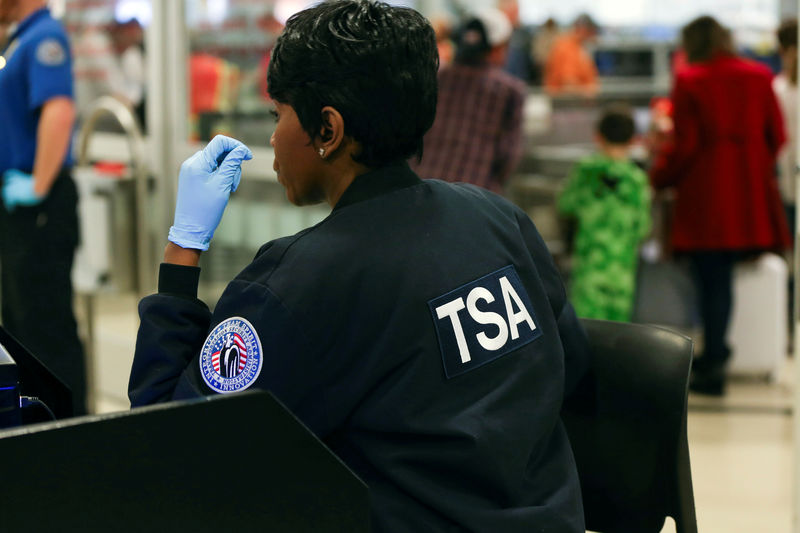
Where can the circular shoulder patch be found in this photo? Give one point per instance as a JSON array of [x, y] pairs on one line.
[[50, 52], [231, 357]]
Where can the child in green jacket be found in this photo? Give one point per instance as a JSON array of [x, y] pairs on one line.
[[610, 198]]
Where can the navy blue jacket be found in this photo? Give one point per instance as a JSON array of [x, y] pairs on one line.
[[421, 331]]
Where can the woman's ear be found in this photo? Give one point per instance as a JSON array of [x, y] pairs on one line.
[[331, 133]]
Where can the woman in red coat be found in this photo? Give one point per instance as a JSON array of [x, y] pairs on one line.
[[728, 130]]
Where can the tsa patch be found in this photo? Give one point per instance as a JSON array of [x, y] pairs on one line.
[[483, 320], [231, 357], [50, 52]]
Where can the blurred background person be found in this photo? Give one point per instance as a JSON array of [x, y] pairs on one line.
[[570, 68], [214, 84], [477, 134], [128, 42], [271, 27], [609, 195], [97, 68], [727, 133], [518, 59], [39, 221], [444, 42], [785, 86], [540, 48]]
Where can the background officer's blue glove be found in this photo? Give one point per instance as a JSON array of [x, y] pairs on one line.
[[18, 189], [205, 183]]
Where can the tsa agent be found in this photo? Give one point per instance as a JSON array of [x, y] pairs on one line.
[[38, 220], [421, 330]]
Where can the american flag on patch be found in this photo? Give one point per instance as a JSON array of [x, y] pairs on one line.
[[234, 348]]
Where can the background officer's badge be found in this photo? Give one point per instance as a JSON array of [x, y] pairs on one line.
[[231, 357], [50, 52]]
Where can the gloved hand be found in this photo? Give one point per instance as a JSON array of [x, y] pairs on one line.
[[18, 189], [205, 183]]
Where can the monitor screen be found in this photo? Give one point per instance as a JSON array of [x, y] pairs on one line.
[[9, 391], [36, 380], [625, 62]]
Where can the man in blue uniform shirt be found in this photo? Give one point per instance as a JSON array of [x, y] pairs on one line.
[[38, 221], [421, 330]]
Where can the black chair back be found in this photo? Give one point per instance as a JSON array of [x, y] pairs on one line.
[[626, 422]]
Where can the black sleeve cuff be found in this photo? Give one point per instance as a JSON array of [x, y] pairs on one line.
[[179, 280]]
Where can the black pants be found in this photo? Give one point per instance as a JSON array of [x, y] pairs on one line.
[[713, 272], [37, 248]]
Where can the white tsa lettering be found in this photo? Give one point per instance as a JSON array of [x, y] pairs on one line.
[[516, 313], [451, 310], [515, 318]]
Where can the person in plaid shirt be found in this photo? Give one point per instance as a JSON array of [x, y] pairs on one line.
[[477, 134]]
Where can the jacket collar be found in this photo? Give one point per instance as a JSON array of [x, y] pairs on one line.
[[378, 182]]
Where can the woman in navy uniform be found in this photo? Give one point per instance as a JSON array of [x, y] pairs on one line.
[[38, 221], [421, 330]]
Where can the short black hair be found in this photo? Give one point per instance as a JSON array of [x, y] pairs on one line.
[[704, 37], [616, 124], [374, 63], [787, 34]]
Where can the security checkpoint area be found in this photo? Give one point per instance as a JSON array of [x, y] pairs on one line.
[[651, 454]]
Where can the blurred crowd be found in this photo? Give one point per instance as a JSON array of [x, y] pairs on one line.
[[720, 149], [551, 56]]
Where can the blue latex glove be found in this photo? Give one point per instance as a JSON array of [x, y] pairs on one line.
[[205, 183], [18, 189]]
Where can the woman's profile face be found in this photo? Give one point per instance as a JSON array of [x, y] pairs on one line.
[[296, 161]]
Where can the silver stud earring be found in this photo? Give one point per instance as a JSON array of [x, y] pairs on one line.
[[322, 152]]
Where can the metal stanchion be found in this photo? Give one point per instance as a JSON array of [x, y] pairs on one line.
[[104, 106]]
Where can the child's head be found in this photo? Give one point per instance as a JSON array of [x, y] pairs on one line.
[[616, 128]]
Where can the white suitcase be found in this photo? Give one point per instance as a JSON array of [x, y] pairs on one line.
[[758, 330]]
